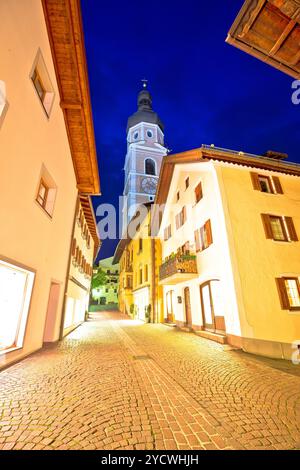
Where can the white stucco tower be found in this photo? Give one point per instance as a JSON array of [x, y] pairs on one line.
[[145, 150]]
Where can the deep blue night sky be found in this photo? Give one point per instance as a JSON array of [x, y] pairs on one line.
[[204, 90]]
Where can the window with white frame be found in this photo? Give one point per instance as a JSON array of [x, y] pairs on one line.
[[16, 286], [46, 193], [42, 83]]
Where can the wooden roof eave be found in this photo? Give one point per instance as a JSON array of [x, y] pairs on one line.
[[65, 32], [89, 216], [201, 154], [251, 14]]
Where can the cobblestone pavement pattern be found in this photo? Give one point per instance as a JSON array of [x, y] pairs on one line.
[[117, 384]]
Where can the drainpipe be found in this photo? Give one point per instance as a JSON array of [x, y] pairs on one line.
[[153, 253], [61, 331]]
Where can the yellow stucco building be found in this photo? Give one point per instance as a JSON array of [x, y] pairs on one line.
[[230, 249], [140, 256]]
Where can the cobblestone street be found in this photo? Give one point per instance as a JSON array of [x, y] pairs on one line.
[[118, 384]]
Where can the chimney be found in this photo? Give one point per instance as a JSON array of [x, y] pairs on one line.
[[275, 155]]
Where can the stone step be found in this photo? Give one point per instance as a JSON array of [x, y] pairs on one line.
[[185, 328], [212, 336]]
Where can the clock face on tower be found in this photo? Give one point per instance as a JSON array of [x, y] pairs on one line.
[[149, 185]]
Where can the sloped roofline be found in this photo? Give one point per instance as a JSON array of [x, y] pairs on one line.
[[210, 153]]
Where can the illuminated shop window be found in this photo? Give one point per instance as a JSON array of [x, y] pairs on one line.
[[16, 286]]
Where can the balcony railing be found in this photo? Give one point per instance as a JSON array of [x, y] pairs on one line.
[[177, 265]]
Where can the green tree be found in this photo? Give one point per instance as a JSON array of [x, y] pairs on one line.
[[99, 278]]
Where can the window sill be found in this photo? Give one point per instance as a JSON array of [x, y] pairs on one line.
[[270, 194], [9, 350], [50, 217], [204, 249]]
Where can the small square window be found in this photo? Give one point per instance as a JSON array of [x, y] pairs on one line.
[[265, 184], [42, 194], [42, 83], [46, 193], [278, 229], [38, 84], [293, 292]]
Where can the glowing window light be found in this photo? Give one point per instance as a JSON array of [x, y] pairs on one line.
[[69, 312], [293, 292], [79, 311], [15, 293]]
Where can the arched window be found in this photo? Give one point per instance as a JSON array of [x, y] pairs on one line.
[[150, 167]]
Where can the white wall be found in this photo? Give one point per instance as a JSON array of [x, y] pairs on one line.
[[214, 262]]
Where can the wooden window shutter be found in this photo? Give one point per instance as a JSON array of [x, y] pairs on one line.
[[177, 221], [277, 184], [208, 233], [198, 192], [183, 215], [284, 300], [291, 229], [165, 234], [267, 226], [74, 247], [255, 181]]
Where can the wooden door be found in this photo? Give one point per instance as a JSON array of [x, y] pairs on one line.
[[213, 317], [187, 305], [170, 312]]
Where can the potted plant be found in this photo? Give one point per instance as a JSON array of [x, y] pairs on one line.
[[132, 310], [147, 313]]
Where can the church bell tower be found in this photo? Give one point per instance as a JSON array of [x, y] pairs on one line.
[[145, 150]]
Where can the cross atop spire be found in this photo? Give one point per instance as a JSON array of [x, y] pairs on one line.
[[144, 82]]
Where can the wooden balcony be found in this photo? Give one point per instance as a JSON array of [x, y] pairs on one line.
[[178, 268]]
